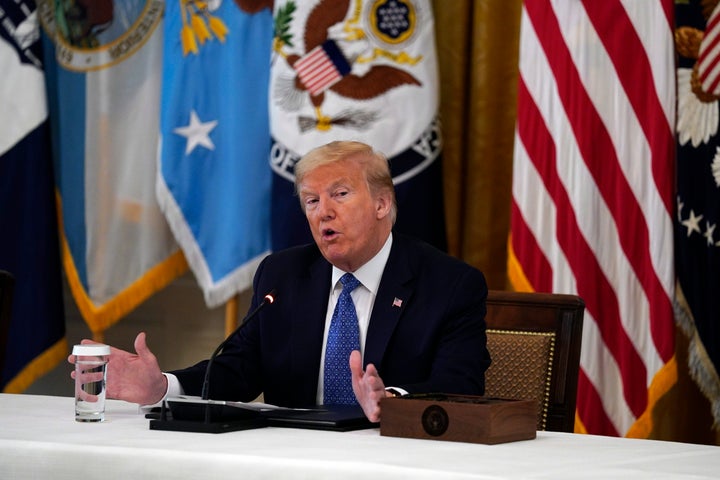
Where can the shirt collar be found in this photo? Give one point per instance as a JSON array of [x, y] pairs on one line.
[[370, 273]]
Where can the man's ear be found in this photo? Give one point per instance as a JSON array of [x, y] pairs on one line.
[[383, 204]]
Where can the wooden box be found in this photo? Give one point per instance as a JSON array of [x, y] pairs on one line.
[[458, 418]]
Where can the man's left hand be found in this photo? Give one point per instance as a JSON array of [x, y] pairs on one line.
[[368, 387]]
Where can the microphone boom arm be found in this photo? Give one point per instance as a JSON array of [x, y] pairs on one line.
[[268, 299]]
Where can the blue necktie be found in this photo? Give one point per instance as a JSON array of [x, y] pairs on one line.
[[343, 338]]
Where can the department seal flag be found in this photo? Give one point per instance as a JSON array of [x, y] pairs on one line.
[[104, 90], [213, 183], [357, 70], [34, 342]]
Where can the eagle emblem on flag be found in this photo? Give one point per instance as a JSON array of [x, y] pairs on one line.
[[343, 43]]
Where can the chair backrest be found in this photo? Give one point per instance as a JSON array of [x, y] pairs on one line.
[[7, 285], [534, 342]]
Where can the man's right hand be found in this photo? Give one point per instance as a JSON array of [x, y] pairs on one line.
[[132, 377]]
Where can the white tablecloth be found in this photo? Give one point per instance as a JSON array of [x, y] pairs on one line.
[[39, 438]]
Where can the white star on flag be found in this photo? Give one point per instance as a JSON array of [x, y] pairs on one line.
[[197, 133], [709, 231], [692, 223]]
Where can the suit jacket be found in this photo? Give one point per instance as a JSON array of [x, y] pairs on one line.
[[433, 342]]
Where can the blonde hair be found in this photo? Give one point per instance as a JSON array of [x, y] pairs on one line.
[[375, 166]]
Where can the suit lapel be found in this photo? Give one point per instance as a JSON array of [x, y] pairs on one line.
[[394, 294]]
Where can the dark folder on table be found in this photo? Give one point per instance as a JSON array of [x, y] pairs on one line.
[[186, 412], [338, 418]]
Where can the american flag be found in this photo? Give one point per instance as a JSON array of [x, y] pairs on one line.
[[322, 67], [593, 193], [708, 59]]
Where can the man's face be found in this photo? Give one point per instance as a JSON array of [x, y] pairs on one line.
[[347, 223]]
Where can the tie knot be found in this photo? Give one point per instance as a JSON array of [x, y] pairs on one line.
[[349, 282]]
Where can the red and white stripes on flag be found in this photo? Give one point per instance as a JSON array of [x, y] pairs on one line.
[[709, 56], [322, 67], [593, 193]]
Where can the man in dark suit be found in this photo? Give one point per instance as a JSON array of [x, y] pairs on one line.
[[419, 313]]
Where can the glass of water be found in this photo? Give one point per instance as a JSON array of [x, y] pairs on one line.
[[90, 376]]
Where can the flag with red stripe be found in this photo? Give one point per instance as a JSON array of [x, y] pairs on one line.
[[592, 193], [322, 68], [708, 61]]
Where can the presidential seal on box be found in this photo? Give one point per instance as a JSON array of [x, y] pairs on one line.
[[459, 418]]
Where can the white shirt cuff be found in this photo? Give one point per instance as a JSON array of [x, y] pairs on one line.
[[174, 390], [401, 391]]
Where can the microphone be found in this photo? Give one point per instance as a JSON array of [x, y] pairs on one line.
[[268, 299], [194, 416]]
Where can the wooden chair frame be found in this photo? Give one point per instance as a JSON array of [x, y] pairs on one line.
[[522, 326]]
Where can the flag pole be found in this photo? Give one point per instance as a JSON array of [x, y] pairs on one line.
[[231, 310]]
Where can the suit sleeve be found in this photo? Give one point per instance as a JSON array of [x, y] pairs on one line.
[[462, 356]]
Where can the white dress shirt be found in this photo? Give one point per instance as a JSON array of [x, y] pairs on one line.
[[363, 297]]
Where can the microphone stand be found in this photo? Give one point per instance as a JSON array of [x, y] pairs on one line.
[[186, 415], [268, 299]]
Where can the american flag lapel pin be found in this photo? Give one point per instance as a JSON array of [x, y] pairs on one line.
[[397, 302]]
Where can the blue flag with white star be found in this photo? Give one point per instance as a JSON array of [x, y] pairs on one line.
[[213, 183]]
